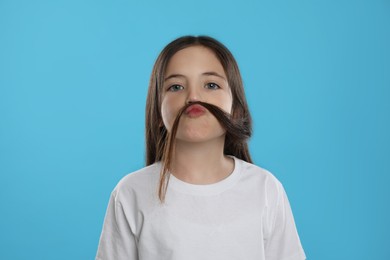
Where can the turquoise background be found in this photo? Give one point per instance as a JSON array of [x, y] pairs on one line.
[[74, 76]]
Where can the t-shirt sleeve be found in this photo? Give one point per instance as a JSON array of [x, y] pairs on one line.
[[281, 238], [117, 240]]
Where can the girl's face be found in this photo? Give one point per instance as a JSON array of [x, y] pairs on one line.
[[195, 74]]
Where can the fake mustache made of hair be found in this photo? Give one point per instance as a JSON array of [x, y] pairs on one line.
[[237, 129]]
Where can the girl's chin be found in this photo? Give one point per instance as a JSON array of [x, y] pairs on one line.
[[200, 137]]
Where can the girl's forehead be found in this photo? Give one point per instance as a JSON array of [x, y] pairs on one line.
[[194, 59]]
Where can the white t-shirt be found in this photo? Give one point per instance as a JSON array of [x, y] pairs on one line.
[[243, 217]]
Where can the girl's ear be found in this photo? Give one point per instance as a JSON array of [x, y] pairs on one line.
[[236, 113], [161, 124]]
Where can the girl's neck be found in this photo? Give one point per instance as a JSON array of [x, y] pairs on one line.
[[201, 163]]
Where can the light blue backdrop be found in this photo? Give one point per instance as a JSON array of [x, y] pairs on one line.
[[73, 78]]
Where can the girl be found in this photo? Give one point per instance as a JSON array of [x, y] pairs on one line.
[[200, 197]]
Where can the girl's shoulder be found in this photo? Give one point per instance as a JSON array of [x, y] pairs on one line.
[[261, 177], [252, 170], [141, 175], [139, 182]]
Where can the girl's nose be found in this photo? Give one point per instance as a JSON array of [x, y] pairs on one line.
[[193, 95]]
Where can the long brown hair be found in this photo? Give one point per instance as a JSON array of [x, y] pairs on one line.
[[160, 143]]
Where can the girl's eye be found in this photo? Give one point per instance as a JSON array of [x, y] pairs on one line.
[[176, 87], [212, 86]]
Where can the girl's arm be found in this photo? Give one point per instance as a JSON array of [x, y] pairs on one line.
[[282, 241], [117, 240]]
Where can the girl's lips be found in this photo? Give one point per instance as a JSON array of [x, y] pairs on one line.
[[195, 110]]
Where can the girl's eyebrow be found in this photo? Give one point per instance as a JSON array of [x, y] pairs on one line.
[[213, 73], [174, 76], [208, 73]]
